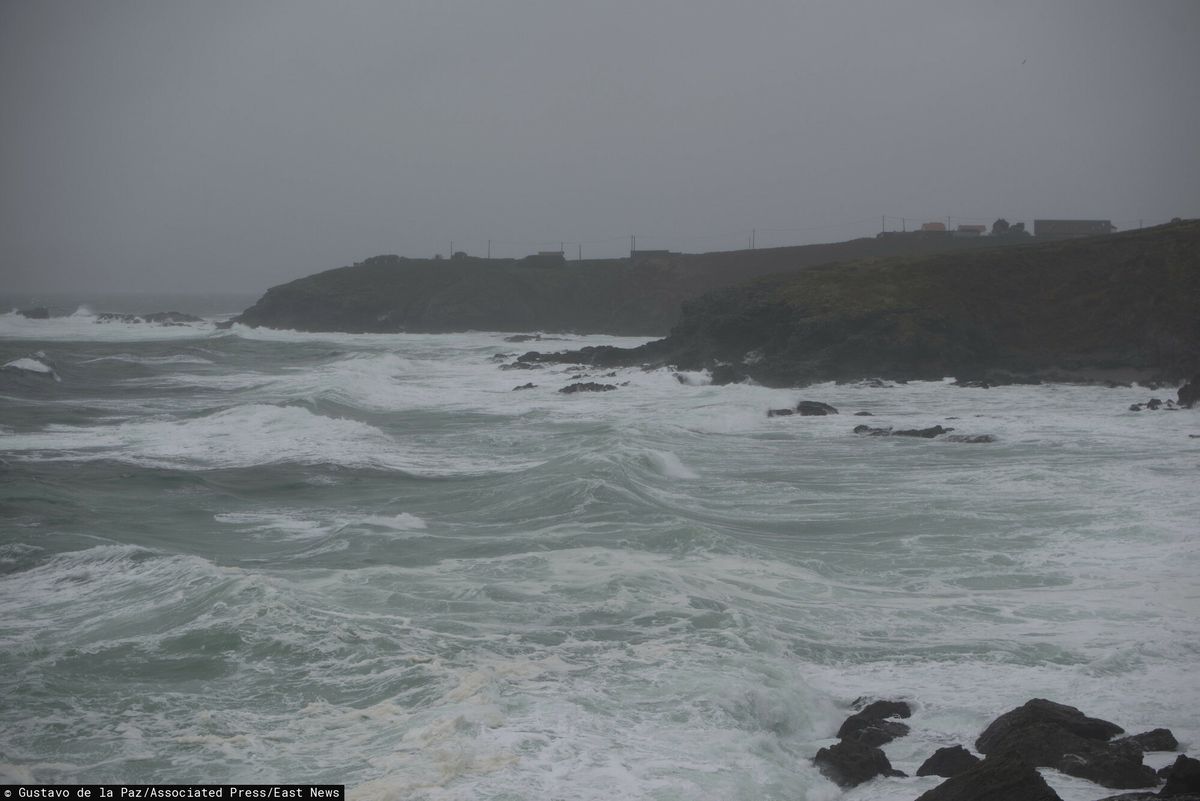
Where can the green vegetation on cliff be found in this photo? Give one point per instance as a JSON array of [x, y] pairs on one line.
[[1123, 301]]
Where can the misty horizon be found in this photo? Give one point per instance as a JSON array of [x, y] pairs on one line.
[[230, 147]]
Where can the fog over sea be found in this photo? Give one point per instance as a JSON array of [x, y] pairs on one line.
[[267, 556]]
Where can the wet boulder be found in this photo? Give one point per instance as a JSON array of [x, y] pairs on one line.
[[530, 385], [850, 763], [926, 433], [997, 778], [948, 762], [1153, 740], [814, 409], [1047, 714], [1183, 778], [870, 724], [780, 412], [1047, 734]]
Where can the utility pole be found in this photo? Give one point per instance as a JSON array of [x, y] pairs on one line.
[[489, 250], [882, 223], [753, 231], [580, 251], [632, 243]]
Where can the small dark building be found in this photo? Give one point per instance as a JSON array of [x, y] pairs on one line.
[[1070, 229]]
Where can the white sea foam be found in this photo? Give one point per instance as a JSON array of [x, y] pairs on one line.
[[31, 365], [242, 436]]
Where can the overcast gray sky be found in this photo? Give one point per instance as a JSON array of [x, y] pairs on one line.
[[210, 145]]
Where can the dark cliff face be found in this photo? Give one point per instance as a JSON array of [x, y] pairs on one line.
[[1120, 301], [1057, 310], [615, 296]]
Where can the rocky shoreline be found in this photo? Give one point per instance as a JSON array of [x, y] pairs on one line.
[[1038, 734], [1114, 309]]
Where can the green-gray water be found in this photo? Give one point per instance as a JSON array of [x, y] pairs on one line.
[[268, 556]]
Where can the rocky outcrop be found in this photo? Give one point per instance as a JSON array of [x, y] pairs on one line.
[[616, 296], [586, 386], [850, 763], [997, 778], [37, 313], [1047, 734], [948, 762], [1068, 310], [871, 725], [1153, 740], [1183, 778]]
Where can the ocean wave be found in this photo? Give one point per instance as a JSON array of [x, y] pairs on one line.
[[245, 436]]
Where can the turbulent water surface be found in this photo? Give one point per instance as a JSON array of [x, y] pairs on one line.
[[250, 555]]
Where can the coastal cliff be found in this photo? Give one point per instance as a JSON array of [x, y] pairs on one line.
[[1111, 305], [640, 296]]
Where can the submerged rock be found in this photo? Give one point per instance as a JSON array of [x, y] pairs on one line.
[[525, 386], [971, 438], [780, 412], [524, 338], [850, 763], [997, 778], [948, 762]]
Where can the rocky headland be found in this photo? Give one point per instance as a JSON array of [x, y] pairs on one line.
[[640, 296], [1110, 308]]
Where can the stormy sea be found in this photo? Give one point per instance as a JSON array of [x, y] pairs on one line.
[[248, 555]]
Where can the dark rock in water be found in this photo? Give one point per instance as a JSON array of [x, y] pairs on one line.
[[870, 725], [927, 433], [971, 438], [780, 412], [723, 374], [973, 384], [872, 732], [1189, 393], [1052, 735], [1117, 765], [948, 762], [524, 338], [525, 386], [814, 409], [997, 778], [520, 366], [1154, 404], [1183, 777], [863, 414], [586, 386], [38, 313], [1153, 740], [849, 763], [1039, 711]]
